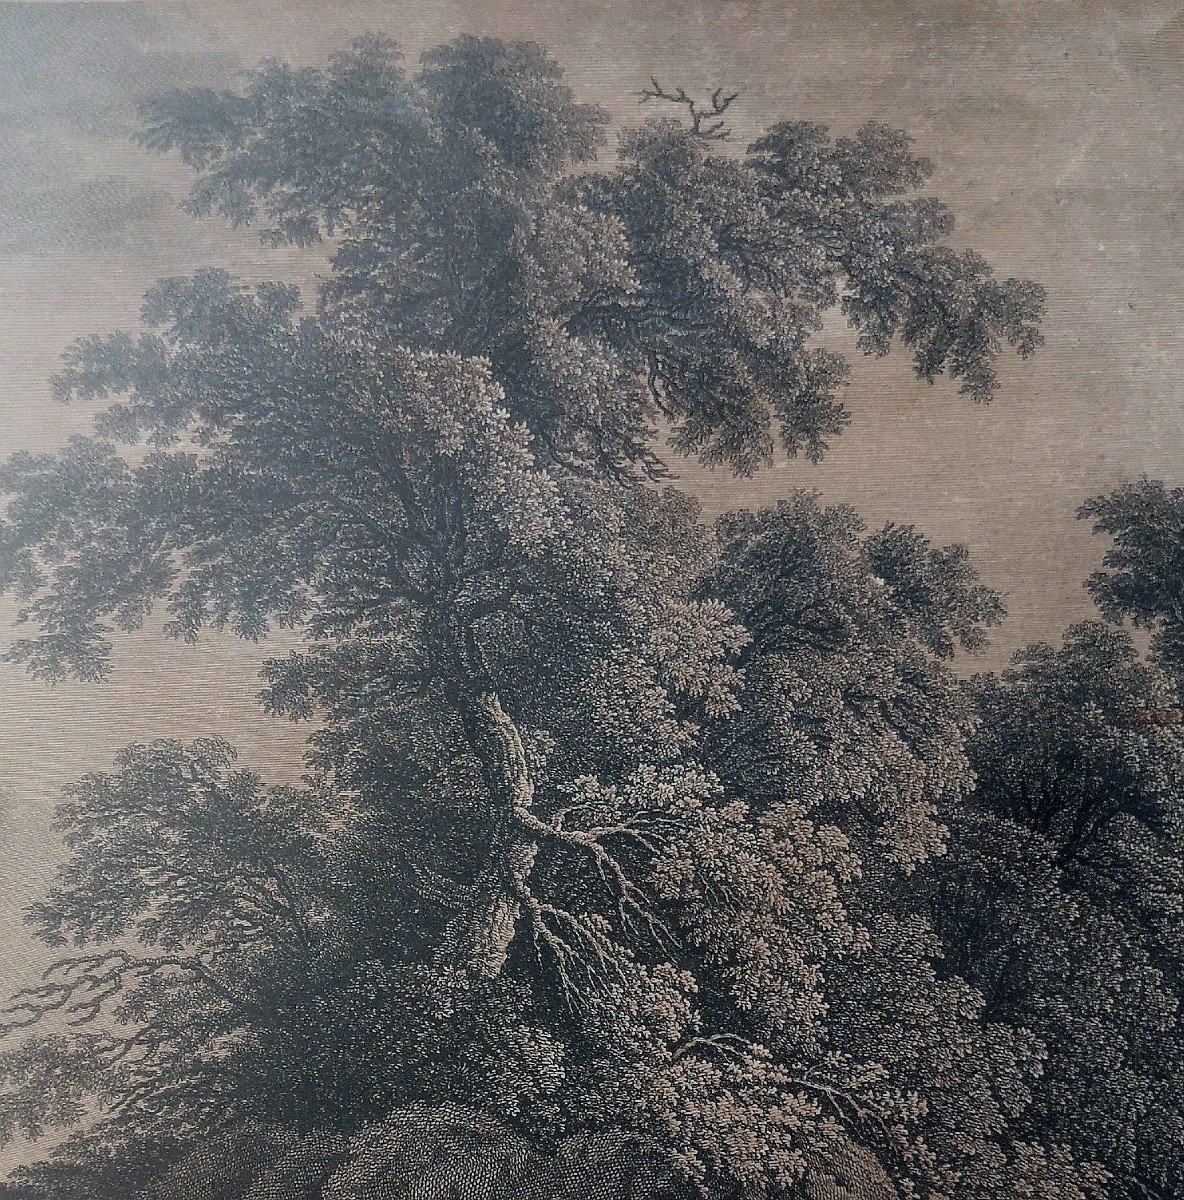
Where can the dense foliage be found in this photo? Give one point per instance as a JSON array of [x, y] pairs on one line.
[[1143, 577], [632, 854], [1062, 894]]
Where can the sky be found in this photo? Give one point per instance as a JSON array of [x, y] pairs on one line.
[[1057, 129]]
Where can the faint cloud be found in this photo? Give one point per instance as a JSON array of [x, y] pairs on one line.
[[100, 214], [70, 78], [86, 65]]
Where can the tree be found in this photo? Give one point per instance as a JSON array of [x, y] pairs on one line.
[[849, 716], [1060, 899], [539, 867], [1142, 576]]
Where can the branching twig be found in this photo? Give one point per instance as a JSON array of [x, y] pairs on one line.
[[80, 987], [633, 908], [706, 123]]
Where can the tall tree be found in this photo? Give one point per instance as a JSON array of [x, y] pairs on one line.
[[533, 870]]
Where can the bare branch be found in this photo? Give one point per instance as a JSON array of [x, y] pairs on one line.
[[633, 909], [707, 122], [80, 987]]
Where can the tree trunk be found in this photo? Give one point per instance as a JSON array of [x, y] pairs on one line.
[[477, 940]]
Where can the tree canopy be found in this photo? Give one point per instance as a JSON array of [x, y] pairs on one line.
[[627, 847], [1062, 892], [1143, 576]]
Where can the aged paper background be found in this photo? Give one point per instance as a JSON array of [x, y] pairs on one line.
[[1058, 133]]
